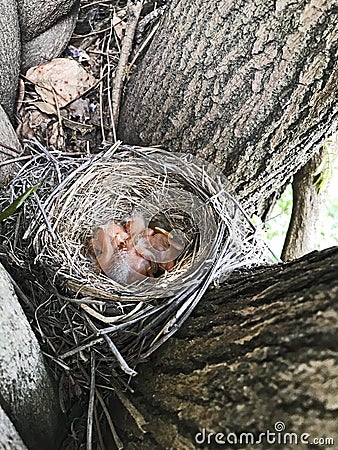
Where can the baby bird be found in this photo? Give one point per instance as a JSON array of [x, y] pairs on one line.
[[107, 240], [134, 252], [116, 255], [165, 252], [157, 247], [138, 267], [135, 225]]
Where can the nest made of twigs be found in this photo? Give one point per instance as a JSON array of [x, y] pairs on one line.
[[94, 329], [77, 195]]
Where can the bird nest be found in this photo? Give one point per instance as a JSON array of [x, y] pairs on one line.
[[178, 194], [122, 320]]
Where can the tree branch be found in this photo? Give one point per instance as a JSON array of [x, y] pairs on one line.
[[134, 11], [261, 349]]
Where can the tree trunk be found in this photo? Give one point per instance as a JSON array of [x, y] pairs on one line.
[[307, 211], [260, 349], [249, 85], [9, 147], [41, 42], [310, 189], [9, 438], [27, 395], [10, 55]]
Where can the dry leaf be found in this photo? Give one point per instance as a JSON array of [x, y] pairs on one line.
[[34, 124], [46, 108], [62, 80]]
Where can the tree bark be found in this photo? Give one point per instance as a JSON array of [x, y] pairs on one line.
[[10, 147], [37, 16], [9, 438], [51, 42], [27, 394], [248, 85], [307, 211], [260, 349], [10, 55]]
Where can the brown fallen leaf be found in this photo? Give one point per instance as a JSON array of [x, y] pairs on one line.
[[45, 107], [61, 80], [34, 124]]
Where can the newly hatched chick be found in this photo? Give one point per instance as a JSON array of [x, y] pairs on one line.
[[135, 225], [106, 242], [138, 267], [131, 253], [155, 247], [160, 243], [116, 255]]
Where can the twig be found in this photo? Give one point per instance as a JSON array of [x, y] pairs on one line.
[[94, 33], [98, 429], [20, 293], [80, 348], [144, 44], [44, 215], [101, 105], [98, 2], [134, 11], [108, 84], [91, 403], [57, 361], [7, 147], [117, 440], [124, 366], [14, 160], [106, 319], [133, 411]]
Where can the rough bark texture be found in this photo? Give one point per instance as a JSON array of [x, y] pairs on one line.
[[27, 394], [262, 348], [50, 43], [36, 16], [10, 55], [308, 209], [27, 26], [249, 85], [9, 146], [9, 438]]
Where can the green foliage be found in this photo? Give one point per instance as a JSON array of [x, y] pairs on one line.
[[325, 171], [17, 203], [277, 226]]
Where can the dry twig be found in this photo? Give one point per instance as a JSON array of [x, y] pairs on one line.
[[134, 11]]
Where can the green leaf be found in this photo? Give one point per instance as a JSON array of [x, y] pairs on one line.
[[17, 203]]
